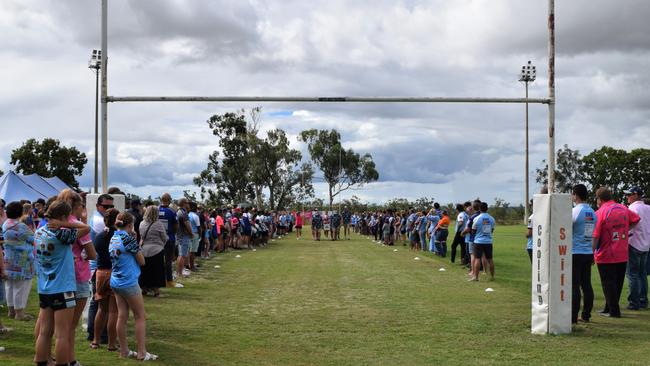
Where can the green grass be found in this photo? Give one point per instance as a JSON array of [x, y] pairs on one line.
[[359, 303]]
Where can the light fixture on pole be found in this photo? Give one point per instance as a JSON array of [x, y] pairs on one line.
[[95, 64], [528, 75]]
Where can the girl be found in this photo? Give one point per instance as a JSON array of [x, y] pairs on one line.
[[126, 258]]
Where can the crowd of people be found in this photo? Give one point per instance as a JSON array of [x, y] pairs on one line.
[[109, 259], [617, 239]]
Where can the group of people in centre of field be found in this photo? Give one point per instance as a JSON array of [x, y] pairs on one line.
[[109, 260], [426, 231], [617, 239], [329, 224]]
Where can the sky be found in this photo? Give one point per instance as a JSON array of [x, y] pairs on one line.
[[435, 48]]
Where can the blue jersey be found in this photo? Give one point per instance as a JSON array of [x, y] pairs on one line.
[[461, 222], [126, 270], [168, 218], [194, 221], [483, 225], [469, 238], [433, 222], [423, 224], [55, 260], [584, 222]]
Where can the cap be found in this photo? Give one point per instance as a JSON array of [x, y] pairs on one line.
[[633, 190]]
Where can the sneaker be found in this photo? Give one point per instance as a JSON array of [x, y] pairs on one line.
[[186, 272], [178, 285], [632, 307]]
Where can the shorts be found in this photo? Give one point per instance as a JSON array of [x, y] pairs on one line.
[[103, 284], [59, 301], [128, 291], [184, 246], [298, 226], [483, 249], [441, 236], [194, 243], [470, 247], [83, 290]]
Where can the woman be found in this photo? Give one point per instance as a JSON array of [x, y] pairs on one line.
[[326, 225], [56, 283], [83, 250], [153, 237], [27, 217], [107, 307], [126, 258], [18, 261]]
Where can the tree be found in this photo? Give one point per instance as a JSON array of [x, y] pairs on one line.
[[230, 177], [49, 159], [275, 165], [568, 170], [342, 169], [609, 167]]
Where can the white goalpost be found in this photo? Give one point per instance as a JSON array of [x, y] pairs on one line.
[[551, 288]]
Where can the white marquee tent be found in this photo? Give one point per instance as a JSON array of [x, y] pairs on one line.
[[16, 187]]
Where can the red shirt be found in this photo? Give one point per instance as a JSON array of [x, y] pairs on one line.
[[219, 223], [612, 231], [298, 219]]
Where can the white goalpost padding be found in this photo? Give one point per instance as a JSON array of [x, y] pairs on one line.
[[551, 284]]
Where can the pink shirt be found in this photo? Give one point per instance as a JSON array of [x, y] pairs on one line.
[[611, 231], [640, 234], [81, 264]]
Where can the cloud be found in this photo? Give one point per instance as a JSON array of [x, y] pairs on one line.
[[329, 48]]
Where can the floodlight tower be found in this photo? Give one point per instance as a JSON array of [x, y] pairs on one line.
[[528, 75], [95, 64]]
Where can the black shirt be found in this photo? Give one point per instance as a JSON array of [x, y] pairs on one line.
[[102, 240]]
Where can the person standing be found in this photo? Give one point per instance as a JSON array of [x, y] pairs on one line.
[[610, 245], [638, 251], [126, 259], [316, 225], [167, 217], [299, 224], [153, 239], [483, 228], [347, 218], [18, 261], [584, 222], [461, 219], [185, 237]]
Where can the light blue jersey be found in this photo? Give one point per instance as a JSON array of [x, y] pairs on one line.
[[529, 244], [433, 222], [461, 222], [122, 250], [484, 226], [584, 222], [55, 260]]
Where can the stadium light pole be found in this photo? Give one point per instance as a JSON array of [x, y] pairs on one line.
[[95, 64], [528, 75]]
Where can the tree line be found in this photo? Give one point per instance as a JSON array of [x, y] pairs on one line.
[[614, 168]]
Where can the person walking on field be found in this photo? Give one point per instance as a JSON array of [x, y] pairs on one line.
[[610, 245], [637, 277], [483, 228], [299, 225], [584, 222]]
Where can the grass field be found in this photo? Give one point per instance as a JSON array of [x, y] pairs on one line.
[[359, 303]]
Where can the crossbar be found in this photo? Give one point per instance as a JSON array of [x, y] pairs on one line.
[[112, 99]]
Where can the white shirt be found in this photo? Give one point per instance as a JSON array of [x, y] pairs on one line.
[[640, 234]]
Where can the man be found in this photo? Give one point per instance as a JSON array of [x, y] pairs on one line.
[[638, 251], [610, 245], [336, 225], [96, 223], [458, 238], [584, 222], [168, 217], [483, 228], [316, 225], [185, 237], [195, 225], [472, 212], [347, 218]]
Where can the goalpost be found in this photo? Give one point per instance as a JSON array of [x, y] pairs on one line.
[[551, 290]]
